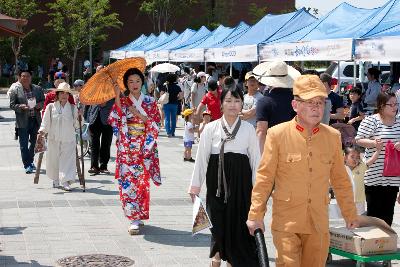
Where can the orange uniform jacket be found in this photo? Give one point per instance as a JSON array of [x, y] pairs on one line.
[[300, 168]]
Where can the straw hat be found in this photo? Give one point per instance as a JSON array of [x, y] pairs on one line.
[[249, 75], [187, 112], [276, 74], [63, 87], [201, 74]]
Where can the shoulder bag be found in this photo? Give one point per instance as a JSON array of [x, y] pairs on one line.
[[164, 99], [392, 160]]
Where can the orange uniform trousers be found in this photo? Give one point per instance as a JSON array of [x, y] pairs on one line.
[[301, 250]]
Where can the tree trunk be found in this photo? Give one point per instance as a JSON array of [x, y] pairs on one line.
[[73, 64], [16, 48]]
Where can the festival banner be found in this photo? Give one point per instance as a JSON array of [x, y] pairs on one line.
[[378, 49], [189, 55], [130, 54], [117, 54], [243, 53], [340, 49], [153, 56]]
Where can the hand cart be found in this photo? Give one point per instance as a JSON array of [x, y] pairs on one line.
[[361, 260]]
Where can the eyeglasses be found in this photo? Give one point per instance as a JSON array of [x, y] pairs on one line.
[[311, 103], [392, 105]]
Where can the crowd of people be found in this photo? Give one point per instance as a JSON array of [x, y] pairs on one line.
[[283, 134]]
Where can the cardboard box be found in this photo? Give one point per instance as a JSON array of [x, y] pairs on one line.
[[373, 236]]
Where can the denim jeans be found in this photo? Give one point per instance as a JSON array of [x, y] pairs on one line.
[[28, 135], [170, 111]]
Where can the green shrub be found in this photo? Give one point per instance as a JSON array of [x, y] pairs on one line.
[[5, 82]]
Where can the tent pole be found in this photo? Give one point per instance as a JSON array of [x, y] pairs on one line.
[[379, 68], [354, 73], [205, 66], [338, 80], [230, 73]]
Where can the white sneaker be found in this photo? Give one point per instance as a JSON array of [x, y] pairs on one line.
[[66, 187]]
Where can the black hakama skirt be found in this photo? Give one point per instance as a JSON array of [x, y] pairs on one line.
[[230, 235]]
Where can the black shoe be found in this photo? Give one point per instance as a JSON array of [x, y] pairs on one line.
[[105, 171], [191, 160], [94, 171]]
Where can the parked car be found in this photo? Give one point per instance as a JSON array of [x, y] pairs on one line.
[[347, 70]]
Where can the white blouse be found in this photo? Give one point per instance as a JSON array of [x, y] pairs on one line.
[[63, 122], [245, 143]]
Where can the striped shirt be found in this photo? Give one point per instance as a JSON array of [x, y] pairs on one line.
[[373, 128]]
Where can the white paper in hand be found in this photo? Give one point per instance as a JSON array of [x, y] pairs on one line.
[[31, 102], [201, 220]]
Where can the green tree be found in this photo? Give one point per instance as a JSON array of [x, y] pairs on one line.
[[256, 13], [163, 13], [22, 9], [79, 23]]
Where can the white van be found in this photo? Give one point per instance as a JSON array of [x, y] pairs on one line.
[[347, 70]]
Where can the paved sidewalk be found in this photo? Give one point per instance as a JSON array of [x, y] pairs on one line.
[[39, 224]]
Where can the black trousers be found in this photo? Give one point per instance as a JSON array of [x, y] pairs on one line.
[[381, 201], [100, 150]]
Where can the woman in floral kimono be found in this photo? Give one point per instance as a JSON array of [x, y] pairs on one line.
[[135, 119]]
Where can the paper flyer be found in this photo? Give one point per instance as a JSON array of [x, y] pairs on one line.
[[201, 220]]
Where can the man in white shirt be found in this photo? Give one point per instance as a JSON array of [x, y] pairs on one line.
[[250, 99]]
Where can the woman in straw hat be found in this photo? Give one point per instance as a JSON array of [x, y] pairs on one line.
[[59, 122], [135, 120]]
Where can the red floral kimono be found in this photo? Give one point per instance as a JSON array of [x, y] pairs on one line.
[[137, 154]]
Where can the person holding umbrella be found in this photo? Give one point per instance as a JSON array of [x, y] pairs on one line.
[[59, 122], [135, 121], [301, 158]]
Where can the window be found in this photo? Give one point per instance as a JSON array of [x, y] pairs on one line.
[[349, 71]]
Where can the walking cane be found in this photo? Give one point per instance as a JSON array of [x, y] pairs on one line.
[[78, 166], [82, 159], [261, 248], [39, 164]]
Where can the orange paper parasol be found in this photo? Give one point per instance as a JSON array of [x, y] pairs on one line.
[[100, 89]]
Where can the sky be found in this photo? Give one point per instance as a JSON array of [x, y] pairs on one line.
[[324, 6]]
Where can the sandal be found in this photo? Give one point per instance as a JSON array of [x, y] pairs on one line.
[[216, 261]]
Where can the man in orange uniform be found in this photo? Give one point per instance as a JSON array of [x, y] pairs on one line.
[[301, 158]]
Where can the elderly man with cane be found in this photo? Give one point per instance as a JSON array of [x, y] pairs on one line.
[[301, 159]]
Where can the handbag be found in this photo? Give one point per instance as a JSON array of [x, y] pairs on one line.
[[164, 99], [392, 160]]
